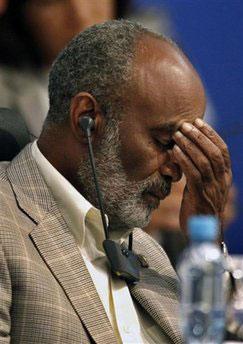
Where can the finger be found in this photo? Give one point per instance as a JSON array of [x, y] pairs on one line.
[[197, 145], [215, 138], [198, 158], [193, 176]]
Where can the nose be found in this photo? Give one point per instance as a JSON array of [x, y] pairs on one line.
[[171, 170]]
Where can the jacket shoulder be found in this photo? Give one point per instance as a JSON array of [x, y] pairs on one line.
[[12, 219], [6, 192]]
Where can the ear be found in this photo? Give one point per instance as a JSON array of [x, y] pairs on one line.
[[84, 104]]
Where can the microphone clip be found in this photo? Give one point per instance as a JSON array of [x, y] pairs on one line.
[[123, 262]]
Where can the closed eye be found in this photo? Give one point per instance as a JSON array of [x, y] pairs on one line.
[[165, 145]]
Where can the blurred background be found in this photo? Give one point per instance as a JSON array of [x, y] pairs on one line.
[[210, 32]]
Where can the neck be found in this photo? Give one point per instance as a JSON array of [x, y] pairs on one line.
[[57, 145]]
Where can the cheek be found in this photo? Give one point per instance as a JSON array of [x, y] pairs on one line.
[[140, 157]]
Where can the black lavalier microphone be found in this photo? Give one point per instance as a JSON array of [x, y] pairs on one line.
[[124, 263]]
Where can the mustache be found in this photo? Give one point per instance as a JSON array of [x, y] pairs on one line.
[[161, 186]]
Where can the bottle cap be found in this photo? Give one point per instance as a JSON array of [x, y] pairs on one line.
[[203, 228]]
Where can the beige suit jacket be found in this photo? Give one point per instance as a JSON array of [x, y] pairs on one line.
[[46, 293]]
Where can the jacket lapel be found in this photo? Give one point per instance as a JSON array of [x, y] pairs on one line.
[[159, 301], [57, 247], [157, 290]]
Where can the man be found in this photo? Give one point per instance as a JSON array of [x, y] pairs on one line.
[[146, 101]]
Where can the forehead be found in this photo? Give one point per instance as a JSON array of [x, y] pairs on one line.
[[166, 88]]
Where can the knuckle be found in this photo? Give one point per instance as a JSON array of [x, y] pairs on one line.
[[225, 148], [229, 178], [207, 176], [204, 166], [216, 154], [225, 152], [185, 145], [206, 170], [218, 161], [211, 134], [221, 169], [196, 177], [197, 134]]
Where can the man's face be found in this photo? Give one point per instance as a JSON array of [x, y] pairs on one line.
[[124, 200], [133, 161]]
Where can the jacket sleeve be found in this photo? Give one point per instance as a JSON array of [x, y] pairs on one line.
[[5, 299]]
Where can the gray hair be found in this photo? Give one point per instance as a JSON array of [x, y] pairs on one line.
[[97, 61]]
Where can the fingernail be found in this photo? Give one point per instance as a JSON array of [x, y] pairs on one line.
[[186, 127], [178, 134], [176, 148], [199, 123]]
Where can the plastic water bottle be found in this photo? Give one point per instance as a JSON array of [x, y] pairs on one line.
[[201, 271]]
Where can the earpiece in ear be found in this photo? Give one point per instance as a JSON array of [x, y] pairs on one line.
[[86, 123]]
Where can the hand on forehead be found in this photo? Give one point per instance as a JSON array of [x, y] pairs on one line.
[[204, 159]]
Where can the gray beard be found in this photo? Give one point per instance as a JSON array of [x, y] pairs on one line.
[[122, 199]]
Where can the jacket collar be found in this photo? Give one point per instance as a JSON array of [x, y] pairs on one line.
[[158, 288]]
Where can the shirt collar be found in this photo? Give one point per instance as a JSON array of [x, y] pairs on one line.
[[83, 219]]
